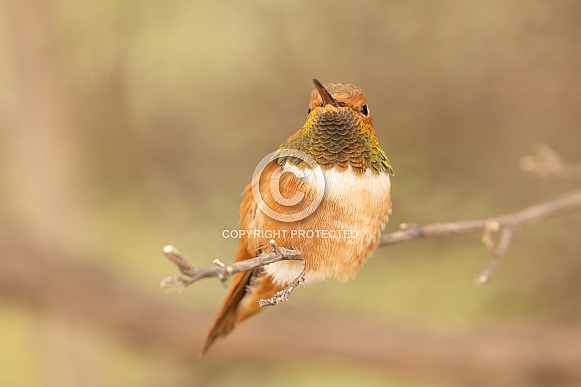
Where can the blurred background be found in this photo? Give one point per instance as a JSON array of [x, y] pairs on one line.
[[126, 126]]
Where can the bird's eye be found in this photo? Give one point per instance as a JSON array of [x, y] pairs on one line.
[[364, 110], [309, 111]]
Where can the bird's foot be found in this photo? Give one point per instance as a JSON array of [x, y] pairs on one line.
[[283, 295]]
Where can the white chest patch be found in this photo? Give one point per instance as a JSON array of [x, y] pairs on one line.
[[344, 230]]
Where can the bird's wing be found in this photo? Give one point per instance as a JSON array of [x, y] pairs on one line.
[[248, 287]]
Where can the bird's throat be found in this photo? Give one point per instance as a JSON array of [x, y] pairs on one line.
[[338, 138]]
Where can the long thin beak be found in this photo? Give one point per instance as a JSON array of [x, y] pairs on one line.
[[325, 95]]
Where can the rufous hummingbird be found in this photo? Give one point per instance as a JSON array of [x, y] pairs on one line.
[[325, 192]]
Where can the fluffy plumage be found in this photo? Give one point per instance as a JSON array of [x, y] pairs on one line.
[[342, 232]]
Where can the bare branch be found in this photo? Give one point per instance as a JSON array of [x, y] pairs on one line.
[[545, 163], [507, 223], [191, 274], [410, 232], [536, 212]]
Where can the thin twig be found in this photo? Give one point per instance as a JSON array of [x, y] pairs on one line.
[[497, 251]]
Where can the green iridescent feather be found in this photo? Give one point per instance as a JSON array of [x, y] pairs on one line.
[[336, 139]]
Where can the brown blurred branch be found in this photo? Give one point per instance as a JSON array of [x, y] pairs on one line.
[[60, 285], [547, 163]]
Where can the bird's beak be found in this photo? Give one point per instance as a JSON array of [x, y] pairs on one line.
[[325, 95]]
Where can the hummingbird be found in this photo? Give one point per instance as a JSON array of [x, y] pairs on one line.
[[325, 192]]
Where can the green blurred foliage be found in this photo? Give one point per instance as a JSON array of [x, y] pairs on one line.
[[125, 126]]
